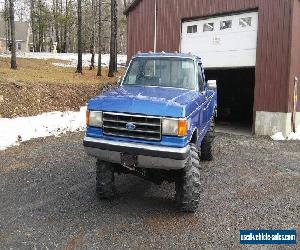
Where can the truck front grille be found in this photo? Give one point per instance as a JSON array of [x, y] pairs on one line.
[[132, 126]]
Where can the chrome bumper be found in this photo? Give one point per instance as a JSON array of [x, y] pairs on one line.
[[148, 156]]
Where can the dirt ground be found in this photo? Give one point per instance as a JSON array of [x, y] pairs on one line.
[[38, 86], [48, 199]]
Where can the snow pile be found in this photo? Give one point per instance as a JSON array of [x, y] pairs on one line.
[[13, 131], [71, 58], [292, 136], [278, 137]]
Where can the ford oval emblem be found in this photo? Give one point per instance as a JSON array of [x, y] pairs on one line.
[[130, 126]]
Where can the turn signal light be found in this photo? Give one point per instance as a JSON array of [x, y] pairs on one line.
[[87, 118], [182, 127]]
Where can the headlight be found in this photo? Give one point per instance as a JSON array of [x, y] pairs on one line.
[[94, 118], [177, 127]]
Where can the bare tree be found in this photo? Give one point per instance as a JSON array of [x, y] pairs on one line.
[[65, 44], [92, 48], [79, 13], [33, 23], [40, 27], [7, 25], [116, 37], [13, 63], [56, 25], [113, 39], [99, 72], [55, 22]]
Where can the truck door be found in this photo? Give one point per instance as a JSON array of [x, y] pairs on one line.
[[204, 101]]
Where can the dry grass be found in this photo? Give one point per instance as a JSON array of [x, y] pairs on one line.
[[38, 86], [43, 71]]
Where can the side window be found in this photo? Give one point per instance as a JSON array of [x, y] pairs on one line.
[[131, 78], [200, 78], [192, 29]]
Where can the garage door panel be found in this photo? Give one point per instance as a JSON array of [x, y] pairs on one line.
[[237, 59], [234, 46], [239, 41]]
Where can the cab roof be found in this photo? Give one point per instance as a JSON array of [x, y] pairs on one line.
[[164, 54]]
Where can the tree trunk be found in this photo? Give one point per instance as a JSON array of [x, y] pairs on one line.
[[79, 13], [116, 55], [33, 24], [113, 38], [61, 28], [40, 28], [99, 72], [13, 35], [7, 25], [116, 36], [65, 49], [55, 14], [92, 48]]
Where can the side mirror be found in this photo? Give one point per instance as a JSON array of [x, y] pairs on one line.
[[119, 80], [212, 84]]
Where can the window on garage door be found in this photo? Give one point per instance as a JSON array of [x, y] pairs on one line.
[[245, 22], [227, 24], [192, 29], [208, 27]]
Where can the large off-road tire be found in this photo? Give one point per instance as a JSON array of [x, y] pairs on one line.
[[105, 180], [207, 143], [188, 185]]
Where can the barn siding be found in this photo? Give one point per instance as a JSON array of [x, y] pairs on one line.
[[141, 27], [295, 55], [273, 48]]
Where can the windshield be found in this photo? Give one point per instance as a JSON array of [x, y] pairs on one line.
[[162, 72]]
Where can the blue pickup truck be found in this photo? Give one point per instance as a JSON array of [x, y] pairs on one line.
[[158, 124]]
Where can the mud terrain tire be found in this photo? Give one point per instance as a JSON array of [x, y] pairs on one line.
[[207, 143], [188, 186], [105, 180]]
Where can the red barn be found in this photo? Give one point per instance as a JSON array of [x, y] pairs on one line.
[[251, 47]]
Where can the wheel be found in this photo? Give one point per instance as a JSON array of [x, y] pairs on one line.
[[105, 180], [188, 186], [207, 143]]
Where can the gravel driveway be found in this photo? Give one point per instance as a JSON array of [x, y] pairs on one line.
[[47, 198]]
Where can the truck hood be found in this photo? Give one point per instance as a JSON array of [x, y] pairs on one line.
[[155, 101]]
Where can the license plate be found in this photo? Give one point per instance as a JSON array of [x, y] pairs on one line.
[[128, 161]]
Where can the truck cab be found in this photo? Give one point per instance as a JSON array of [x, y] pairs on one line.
[[158, 124]]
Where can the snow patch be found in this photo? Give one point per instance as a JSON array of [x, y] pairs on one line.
[[71, 58], [290, 137], [294, 136], [15, 130], [278, 137]]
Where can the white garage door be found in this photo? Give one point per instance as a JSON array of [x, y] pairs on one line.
[[222, 42]]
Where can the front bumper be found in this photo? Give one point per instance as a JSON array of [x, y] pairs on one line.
[[148, 156]]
